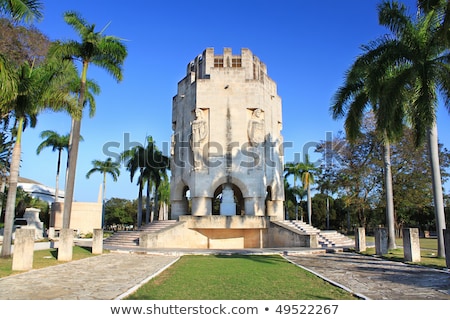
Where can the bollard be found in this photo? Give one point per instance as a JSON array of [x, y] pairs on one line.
[[411, 244], [360, 239], [65, 246], [23, 249], [381, 241], [97, 241]]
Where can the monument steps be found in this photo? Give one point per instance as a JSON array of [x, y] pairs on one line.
[[326, 239], [131, 238]]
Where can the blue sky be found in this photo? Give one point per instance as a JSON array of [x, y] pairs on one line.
[[306, 45]]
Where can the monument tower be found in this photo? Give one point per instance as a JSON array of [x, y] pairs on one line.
[[227, 156]]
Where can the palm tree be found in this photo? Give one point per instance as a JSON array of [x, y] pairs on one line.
[[164, 197], [57, 143], [105, 167], [37, 88], [106, 52], [294, 168], [308, 169], [156, 165], [27, 10], [420, 60], [358, 93], [134, 161], [5, 151]]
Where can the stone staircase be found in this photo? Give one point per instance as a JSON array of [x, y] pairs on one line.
[[326, 239], [127, 239]]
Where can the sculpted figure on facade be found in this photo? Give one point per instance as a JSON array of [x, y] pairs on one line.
[[256, 128], [199, 135]]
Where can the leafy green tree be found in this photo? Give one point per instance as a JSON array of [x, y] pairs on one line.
[[120, 212], [106, 52], [105, 167]]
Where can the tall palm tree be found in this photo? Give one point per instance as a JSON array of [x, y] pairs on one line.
[[351, 100], [134, 162], [420, 58], [27, 10], [164, 197], [57, 143], [294, 169], [308, 169], [105, 167], [37, 88], [156, 165], [106, 52]]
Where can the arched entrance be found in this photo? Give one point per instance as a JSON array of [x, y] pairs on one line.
[[238, 200]]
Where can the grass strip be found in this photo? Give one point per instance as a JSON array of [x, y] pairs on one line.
[[237, 277]]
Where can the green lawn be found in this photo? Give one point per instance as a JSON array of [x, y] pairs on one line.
[[236, 277], [42, 259]]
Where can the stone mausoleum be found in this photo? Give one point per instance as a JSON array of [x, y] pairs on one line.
[[227, 189], [227, 156]]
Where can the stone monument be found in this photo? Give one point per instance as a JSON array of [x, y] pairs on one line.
[[227, 151]]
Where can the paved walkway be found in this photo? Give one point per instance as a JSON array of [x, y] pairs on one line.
[[103, 277], [114, 275], [377, 279]]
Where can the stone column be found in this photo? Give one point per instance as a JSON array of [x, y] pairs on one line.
[[381, 241], [411, 244], [97, 241], [447, 246], [65, 245], [275, 209], [360, 239], [23, 249], [201, 206]]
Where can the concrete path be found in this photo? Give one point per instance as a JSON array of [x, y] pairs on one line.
[[115, 275], [103, 277], [377, 279]]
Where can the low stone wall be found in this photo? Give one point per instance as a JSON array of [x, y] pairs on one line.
[[222, 232]]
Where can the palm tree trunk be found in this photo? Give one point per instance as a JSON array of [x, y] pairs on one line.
[[147, 204], [71, 172], [438, 198], [58, 168], [390, 215], [309, 205], [139, 213], [74, 143], [12, 192]]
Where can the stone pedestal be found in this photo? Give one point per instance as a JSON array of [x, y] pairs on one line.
[[33, 220], [23, 249], [411, 244], [360, 239], [97, 241], [381, 241], [65, 248], [447, 246], [227, 204]]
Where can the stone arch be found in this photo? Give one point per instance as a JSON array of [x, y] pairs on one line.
[[238, 197], [235, 181]]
